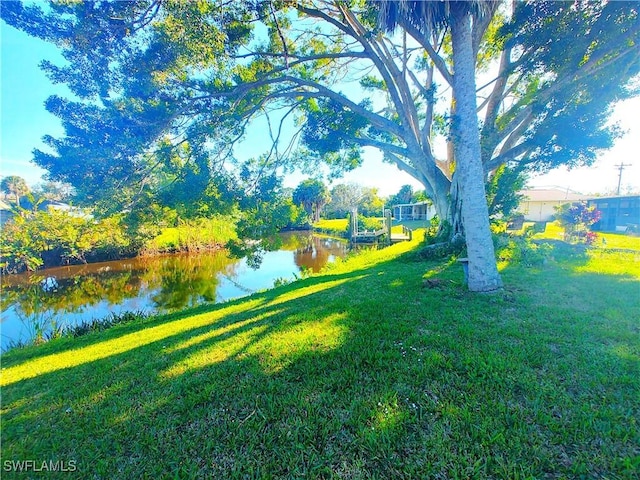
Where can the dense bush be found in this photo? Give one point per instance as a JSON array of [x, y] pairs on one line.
[[53, 237], [193, 235], [576, 218], [522, 250], [365, 223]]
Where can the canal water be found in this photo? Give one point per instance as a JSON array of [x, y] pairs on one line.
[[32, 303]]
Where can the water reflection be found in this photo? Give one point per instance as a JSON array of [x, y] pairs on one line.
[[69, 295]]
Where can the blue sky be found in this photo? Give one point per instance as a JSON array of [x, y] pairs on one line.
[[24, 121]]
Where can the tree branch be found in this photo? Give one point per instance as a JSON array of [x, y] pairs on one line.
[[438, 61], [509, 155], [373, 118], [387, 69], [385, 147]]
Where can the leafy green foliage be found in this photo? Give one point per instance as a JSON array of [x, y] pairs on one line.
[[193, 235], [369, 224], [571, 89], [124, 59], [328, 132], [19, 249], [404, 195], [165, 90], [55, 237], [438, 242], [502, 191], [523, 250], [15, 186], [312, 195]]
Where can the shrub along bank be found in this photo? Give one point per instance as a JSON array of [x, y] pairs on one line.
[[38, 239], [383, 366], [49, 238]]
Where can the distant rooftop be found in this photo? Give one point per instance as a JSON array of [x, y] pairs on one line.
[[603, 197], [552, 195]]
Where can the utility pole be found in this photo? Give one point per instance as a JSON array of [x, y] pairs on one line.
[[620, 168]]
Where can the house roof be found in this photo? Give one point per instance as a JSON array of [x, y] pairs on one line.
[[4, 205], [609, 197], [552, 195], [424, 202]]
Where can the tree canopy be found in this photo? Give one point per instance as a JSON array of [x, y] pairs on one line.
[[312, 195], [14, 185], [168, 87], [347, 197]]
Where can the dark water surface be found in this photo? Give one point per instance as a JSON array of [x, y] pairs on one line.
[[70, 295]]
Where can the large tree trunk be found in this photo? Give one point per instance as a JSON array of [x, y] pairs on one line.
[[483, 271]]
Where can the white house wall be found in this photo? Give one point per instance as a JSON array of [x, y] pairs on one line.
[[539, 211]]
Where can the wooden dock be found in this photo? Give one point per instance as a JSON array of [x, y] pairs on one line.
[[383, 235], [368, 236], [405, 236]]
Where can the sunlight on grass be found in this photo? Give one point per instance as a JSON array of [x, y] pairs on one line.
[[278, 350], [275, 348], [553, 231], [611, 263], [625, 352], [619, 240], [218, 333], [312, 289], [72, 358], [382, 366], [334, 225], [387, 416], [75, 357], [216, 352]]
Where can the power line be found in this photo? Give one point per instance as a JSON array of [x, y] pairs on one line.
[[620, 168]]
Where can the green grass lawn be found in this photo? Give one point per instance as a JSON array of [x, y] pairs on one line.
[[553, 231], [336, 225], [383, 366]]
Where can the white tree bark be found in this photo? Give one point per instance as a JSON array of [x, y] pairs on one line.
[[483, 271]]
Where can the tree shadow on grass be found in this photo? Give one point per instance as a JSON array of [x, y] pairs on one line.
[[369, 375], [86, 397], [20, 355]]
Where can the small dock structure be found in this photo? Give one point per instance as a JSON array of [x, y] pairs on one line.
[[382, 235], [405, 236]]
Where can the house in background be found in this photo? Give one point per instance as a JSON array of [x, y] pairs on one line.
[[413, 211], [539, 205], [618, 214], [8, 211]]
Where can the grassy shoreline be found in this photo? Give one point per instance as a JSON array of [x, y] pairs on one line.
[[381, 367]]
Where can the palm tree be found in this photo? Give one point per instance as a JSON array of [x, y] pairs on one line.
[[460, 17], [313, 196], [14, 185]]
